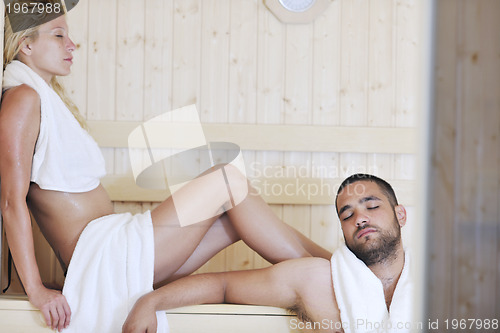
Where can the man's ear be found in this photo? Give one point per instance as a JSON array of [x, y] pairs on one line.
[[400, 214]]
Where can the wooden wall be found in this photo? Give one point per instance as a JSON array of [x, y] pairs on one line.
[[359, 64], [356, 65], [464, 269]]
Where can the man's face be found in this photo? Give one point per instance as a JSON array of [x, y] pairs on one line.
[[370, 225]]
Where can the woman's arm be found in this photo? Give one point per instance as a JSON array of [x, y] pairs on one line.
[[19, 127], [303, 285]]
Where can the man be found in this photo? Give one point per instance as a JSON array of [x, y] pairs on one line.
[[370, 219]]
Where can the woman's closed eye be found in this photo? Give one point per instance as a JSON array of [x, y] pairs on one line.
[[374, 207]]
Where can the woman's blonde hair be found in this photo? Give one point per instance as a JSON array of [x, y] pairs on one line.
[[13, 43]]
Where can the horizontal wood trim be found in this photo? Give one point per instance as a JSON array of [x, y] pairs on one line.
[[20, 302], [288, 191], [279, 137], [14, 302], [230, 309]]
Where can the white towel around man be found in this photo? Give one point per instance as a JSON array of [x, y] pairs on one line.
[[360, 296]]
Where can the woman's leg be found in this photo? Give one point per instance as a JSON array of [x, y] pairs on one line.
[[252, 220], [220, 235]]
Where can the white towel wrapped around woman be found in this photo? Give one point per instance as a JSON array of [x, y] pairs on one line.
[[112, 266]]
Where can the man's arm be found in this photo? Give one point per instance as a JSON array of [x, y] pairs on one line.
[[292, 284]]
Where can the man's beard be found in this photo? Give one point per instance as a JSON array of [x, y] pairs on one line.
[[380, 250]]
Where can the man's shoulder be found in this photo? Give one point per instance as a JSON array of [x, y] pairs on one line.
[[305, 273], [306, 265]]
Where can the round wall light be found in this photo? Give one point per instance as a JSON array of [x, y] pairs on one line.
[[297, 11]]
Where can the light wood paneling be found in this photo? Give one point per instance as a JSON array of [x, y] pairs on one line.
[[340, 90], [464, 274]]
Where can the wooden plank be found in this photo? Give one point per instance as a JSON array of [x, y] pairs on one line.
[[215, 18], [101, 60], [242, 85], [158, 66], [270, 91], [235, 309], [381, 65], [486, 63], [381, 80], [76, 84], [354, 63], [18, 315], [129, 70], [101, 98], [186, 53], [242, 96], [479, 110], [274, 190], [324, 229], [443, 185], [280, 137], [297, 105], [353, 79]]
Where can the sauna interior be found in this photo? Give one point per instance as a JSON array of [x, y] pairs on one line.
[[408, 90]]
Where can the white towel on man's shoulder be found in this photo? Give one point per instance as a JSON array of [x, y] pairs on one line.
[[112, 266], [360, 296]]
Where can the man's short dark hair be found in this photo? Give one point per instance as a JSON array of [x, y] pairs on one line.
[[382, 184]]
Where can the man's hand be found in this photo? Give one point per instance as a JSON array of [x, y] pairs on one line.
[[53, 305], [142, 318]]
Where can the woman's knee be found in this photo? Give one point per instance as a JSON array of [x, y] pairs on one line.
[[236, 183]]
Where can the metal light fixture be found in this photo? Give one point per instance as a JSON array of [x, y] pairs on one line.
[[297, 11]]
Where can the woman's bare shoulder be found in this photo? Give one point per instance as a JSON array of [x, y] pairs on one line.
[[22, 95], [19, 115]]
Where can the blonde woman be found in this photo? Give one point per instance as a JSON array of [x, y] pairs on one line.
[[50, 166]]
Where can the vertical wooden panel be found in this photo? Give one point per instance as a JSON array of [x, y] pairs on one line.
[[76, 87], [443, 174], [242, 96], [158, 57], [381, 87], [381, 64], [466, 175], [130, 60], [242, 92], [270, 89], [186, 53], [130, 55], [354, 62], [353, 74], [297, 110], [101, 69], [325, 227], [408, 46], [158, 66], [214, 60], [479, 110]]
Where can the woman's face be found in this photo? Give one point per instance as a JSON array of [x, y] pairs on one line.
[[51, 52]]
